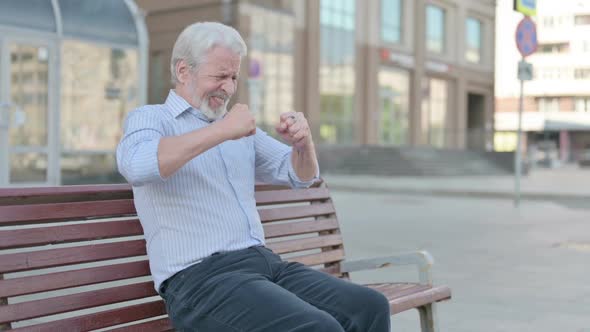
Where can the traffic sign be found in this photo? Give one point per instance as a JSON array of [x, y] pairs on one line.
[[526, 37], [525, 71], [527, 7]]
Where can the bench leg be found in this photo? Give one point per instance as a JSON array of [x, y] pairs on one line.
[[428, 319]]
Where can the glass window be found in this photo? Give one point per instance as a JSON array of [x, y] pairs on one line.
[[105, 20], [28, 167], [434, 112], [391, 21], [435, 29], [99, 87], [394, 85], [39, 14], [473, 39], [582, 73], [29, 89], [582, 105], [271, 67], [548, 104], [548, 21], [337, 76], [554, 48], [582, 19]]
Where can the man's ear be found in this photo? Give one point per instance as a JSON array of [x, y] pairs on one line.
[[183, 71]]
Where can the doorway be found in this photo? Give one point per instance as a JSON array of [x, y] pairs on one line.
[[476, 130], [27, 116]]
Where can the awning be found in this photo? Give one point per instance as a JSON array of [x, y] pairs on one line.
[[537, 121]]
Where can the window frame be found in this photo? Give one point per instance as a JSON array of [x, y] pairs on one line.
[[481, 39]]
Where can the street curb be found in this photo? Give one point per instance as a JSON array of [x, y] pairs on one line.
[[461, 193]]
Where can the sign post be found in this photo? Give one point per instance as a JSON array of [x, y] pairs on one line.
[[526, 42]]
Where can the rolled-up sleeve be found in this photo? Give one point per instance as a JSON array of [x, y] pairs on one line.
[[137, 153], [273, 162]]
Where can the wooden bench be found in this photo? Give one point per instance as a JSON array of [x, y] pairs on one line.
[[73, 257]]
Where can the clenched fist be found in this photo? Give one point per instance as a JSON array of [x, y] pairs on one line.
[[239, 122], [294, 129]]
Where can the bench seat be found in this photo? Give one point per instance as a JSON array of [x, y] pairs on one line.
[[73, 258]]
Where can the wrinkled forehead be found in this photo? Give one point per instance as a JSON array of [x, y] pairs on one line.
[[222, 59]]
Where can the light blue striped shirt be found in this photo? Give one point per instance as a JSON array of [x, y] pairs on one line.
[[208, 205]]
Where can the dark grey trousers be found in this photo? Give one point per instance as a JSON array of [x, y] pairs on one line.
[[254, 290]]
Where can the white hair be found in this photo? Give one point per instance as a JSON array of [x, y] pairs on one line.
[[197, 39]]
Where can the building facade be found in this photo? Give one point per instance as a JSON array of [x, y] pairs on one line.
[[556, 117], [69, 73], [379, 72]]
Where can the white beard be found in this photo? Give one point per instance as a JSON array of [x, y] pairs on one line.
[[211, 114]]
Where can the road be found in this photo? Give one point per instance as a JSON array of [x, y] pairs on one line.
[[509, 269]]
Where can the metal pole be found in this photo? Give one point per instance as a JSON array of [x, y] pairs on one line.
[[518, 157]]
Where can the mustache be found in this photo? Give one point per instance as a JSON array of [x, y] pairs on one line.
[[218, 95]]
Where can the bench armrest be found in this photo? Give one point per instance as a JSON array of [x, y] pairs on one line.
[[422, 259]]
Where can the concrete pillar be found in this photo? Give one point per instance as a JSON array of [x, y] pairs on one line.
[[307, 62], [233, 17], [564, 146], [459, 122], [418, 73], [367, 70]]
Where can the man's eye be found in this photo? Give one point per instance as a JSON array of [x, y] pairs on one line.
[[225, 77]]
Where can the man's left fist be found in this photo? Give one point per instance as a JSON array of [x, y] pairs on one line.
[[294, 129]]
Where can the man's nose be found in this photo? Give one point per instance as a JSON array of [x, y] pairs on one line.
[[229, 86]]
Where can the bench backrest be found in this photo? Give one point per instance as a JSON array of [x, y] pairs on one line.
[[74, 258]]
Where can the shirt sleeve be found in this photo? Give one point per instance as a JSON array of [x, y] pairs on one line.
[[273, 162], [137, 153]]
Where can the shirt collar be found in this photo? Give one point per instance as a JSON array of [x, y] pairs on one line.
[[178, 105]]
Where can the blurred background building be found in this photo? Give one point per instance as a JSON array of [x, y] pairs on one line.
[[380, 72], [390, 86], [556, 117], [70, 70], [401, 87]]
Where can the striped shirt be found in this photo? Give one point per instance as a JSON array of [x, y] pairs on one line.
[[208, 205]]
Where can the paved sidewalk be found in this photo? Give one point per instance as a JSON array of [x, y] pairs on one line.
[[569, 182], [510, 270]]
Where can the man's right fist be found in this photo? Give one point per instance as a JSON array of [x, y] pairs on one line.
[[239, 122]]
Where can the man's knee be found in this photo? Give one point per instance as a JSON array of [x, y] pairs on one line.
[[373, 311], [320, 321], [379, 302]]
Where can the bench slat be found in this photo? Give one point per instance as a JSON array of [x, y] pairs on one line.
[[61, 280], [92, 189], [158, 325], [72, 255], [19, 238], [396, 290], [260, 186], [101, 319], [291, 196], [294, 212], [299, 227], [315, 242], [37, 213], [418, 299], [81, 190], [320, 258], [60, 304]]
